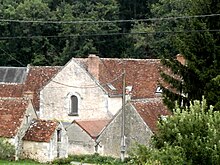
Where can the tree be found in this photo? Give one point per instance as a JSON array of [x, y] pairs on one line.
[[189, 136], [46, 43], [195, 131], [198, 41], [7, 151]]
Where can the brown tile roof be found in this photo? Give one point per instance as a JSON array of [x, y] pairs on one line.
[[40, 130], [11, 90], [37, 77], [11, 115], [92, 127], [150, 111], [142, 74]]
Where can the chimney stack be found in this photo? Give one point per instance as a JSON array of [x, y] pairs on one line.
[[181, 59], [93, 65]]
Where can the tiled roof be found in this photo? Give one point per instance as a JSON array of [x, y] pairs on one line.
[[40, 130], [150, 111], [38, 77], [11, 90], [11, 115], [142, 74], [92, 127]]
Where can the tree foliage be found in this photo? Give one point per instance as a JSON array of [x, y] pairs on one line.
[[195, 131], [7, 150], [189, 136], [197, 41]]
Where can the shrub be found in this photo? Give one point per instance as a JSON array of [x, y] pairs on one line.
[[94, 158], [195, 130], [7, 150], [143, 155]]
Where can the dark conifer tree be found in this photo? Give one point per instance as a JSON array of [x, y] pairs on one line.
[[199, 43]]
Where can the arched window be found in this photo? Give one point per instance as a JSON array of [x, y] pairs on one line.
[[73, 105]]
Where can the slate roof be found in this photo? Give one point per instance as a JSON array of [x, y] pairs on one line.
[[12, 112], [92, 127], [142, 74], [40, 130], [150, 111], [12, 74]]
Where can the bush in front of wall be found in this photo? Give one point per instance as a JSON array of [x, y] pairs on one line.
[[7, 150], [94, 158]]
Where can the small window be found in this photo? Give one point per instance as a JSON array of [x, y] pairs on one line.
[[73, 105], [27, 121], [58, 135], [159, 90]]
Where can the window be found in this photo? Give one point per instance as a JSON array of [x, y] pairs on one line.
[[159, 90], [58, 135], [27, 119], [73, 105]]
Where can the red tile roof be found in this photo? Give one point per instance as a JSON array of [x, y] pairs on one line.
[[12, 112], [11, 90], [142, 74], [38, 77], [92, 127], [40, 130], [150, 111]]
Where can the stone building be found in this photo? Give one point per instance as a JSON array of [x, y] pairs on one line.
[[86, 95], [83, 135], [15, 117], [140, 121], [45, 140]]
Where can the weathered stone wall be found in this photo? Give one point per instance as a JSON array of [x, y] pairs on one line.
[[79, 141], [74, 80], [135, 131], [39, 151], [47, 151], [28, 117]]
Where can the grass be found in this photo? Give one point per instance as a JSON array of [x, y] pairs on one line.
[[20, 162], [93, 159]]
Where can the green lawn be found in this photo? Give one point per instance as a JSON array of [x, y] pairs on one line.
[[20, 162]]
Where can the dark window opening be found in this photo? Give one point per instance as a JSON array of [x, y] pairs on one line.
[[74, 106], [58, 135]]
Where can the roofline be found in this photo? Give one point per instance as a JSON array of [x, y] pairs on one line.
[[141, 118], [94, 138], [91, 76]]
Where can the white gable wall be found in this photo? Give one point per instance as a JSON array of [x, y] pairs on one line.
[[75, 80]]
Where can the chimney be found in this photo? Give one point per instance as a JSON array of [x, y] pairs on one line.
[[93, 65], [181, 59]]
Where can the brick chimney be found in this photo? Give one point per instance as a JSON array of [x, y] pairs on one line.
[[93, 65], [181, 59]]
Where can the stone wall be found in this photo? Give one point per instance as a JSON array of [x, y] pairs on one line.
[[135, 131], [79, 141], [93, 101], [29, 115], [47, 151]]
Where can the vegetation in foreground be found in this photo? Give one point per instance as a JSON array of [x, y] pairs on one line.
[[20, 162], [94, 159], [6, 150], [190, 136]]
